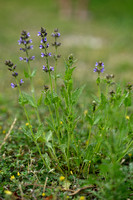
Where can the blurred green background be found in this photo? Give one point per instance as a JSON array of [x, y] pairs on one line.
[[106, 35]]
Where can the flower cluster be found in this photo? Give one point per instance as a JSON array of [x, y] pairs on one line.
[[56, 44], [99, 67], [24, 40], [12, 67], [56, 34], [109, 78], [47, 70], [44, 45]]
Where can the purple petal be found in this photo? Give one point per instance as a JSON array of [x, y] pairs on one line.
[[21, 81], [102, 70], [12, 85], [30, 41], [42, 54], [28, 34], [39, 34], [95, 69], [51, 68], [96, 64], [20, 58]]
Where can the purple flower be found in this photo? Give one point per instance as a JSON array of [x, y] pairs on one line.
[[39, 33], [43, 40], [32, 58], [14, 74], [100, 64], [31, 47], [45, 69], [30, 41], [102, 70], [48, 54], [20, 41], [13, 85], [42, 54], [98, 70], [21, 81], [96, 64], [51, 68], [47, 45], [20, 58], [58, 34], [28, 34], [41, 46]]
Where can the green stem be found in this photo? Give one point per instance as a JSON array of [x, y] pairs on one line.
[[28, 120], [32, 90]]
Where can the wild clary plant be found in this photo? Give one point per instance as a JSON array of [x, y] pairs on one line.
[[93, 145]]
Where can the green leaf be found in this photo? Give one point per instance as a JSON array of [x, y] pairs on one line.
[[98, 80], [22, 101], [50, 123], [26, 74], [48, 136], [128, 100], [76, 94], [40, 100], [33, 73], [89, 118], [39, 132], [97, 120], [47, 159], [28, 99], [27, 133]]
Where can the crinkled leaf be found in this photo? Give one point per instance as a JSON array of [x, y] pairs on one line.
[[76, 94], [27, 99], [66, 184], [48, 136], [47, 159], [39, 132], [50, 123]]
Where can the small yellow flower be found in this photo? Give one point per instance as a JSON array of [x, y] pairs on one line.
[[129, 154], [27, 124], [67, 197], [71, 172], [127, 117], [85, 112], [8, 192], [0, 127], [43, 194], [12, 177], [86, 142], [18, 174], [61, 122], [82, 198], [3, 131], [62, 178], [89, 161]]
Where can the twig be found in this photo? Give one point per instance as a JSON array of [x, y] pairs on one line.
[[78, 190], [45, 184], [7, 135]]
